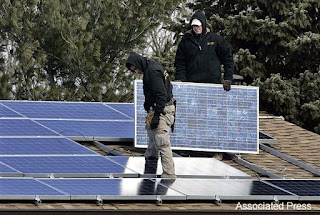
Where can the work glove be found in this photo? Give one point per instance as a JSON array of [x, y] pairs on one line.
[[226, 85], [146, 106], [155, 121]]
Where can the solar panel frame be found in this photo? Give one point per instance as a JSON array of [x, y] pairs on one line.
[[187, 136]]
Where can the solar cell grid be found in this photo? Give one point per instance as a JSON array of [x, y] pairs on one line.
[[43, 165], [23, 127], [6, 169], [125, 108], [25, 187], [88, 130], [6, 112], [208, 118], [41, 146]]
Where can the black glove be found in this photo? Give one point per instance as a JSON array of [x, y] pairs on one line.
[[146, 106], [226, 85], [155, 121]]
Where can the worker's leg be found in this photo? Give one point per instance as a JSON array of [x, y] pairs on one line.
[[152, 151], [162, 139]]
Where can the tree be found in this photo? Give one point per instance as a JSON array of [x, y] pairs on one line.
[[75, 50]]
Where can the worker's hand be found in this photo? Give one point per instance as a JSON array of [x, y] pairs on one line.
[[146, 106], [155, 121], [226, 85]]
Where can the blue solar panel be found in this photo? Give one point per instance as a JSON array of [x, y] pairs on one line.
[[103, 130], [208, 118], [126, 108], [6, 112], [124, 188], [65, 110], [23, 127], [41, 146], [6, 169], [64, 164], [14, 186]]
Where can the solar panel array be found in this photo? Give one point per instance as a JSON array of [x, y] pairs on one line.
[[155, 189], [36, 144], [81, 121], [208, 118]]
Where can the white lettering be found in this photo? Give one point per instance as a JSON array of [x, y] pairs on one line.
[[239, 206], [273, 206]]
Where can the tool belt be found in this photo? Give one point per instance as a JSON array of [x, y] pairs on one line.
[[148, 120]]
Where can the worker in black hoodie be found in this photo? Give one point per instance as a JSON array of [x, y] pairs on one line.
[[159, 104], [200, 54]]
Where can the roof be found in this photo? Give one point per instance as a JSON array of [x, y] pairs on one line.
[[292, 140]]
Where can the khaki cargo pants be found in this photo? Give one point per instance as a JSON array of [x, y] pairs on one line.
[[159, 140]]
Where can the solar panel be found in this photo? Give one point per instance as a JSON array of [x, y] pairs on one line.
[[8, 171], [41, 146], [66, 166], [228, 189], [208, 118], [120, 189], [65, 110], [92, 130], [191, 167], [26, 188], [6, 112], [23, 127], [299, 187], [125, 108]]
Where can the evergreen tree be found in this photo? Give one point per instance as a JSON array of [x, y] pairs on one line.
[[75, 50]]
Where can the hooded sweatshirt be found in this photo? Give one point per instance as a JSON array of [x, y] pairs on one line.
[[199, 57], [157, 87]]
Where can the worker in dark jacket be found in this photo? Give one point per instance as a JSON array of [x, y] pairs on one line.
[[200, 54], [159, 104]]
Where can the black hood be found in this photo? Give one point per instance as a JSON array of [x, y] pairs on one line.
[[138, 61], [200, 15]]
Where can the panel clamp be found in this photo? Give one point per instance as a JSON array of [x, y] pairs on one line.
[[99, 201]]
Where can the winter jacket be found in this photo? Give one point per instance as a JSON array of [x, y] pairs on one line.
[[199, 57], [157, 87]]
